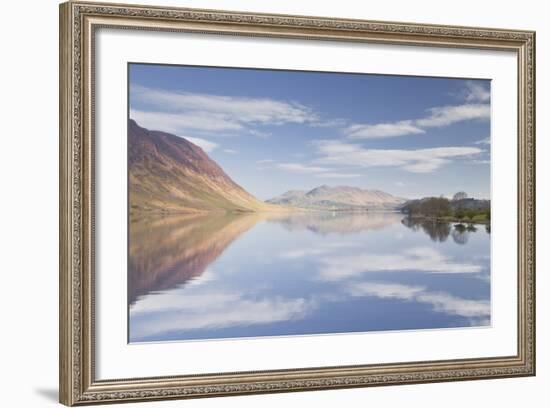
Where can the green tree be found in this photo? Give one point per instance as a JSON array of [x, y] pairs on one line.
[[461, 195], [435, 206]]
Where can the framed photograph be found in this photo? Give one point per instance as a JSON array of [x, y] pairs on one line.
[[256, 203]]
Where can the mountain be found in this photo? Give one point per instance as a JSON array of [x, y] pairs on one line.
[[168, 173], [339, 198]]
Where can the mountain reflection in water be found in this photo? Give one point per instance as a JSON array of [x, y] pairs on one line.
[[170, 250], [256, 274]]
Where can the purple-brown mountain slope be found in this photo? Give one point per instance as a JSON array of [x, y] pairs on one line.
[[170, 174]]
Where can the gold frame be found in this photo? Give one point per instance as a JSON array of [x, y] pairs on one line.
[[78, 22]]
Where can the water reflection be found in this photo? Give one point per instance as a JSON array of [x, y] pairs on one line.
[[165, 251], [439, 231], [327, 222], [216, 276]]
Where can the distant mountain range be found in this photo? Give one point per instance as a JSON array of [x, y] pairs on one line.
[[339, 198], [167, 173], [170, 174]]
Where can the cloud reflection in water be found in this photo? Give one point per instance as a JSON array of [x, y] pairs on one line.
[[197, 277]]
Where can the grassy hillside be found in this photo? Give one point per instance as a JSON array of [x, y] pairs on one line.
[[170, 174]]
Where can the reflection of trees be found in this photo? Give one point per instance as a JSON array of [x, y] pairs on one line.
[[488, 228], [460, 234], [440, 231], [471, 228], [437, 231]]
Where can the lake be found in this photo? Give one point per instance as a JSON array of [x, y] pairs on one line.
[[228, 276]]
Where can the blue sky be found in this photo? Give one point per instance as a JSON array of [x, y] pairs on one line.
[[274, 131]]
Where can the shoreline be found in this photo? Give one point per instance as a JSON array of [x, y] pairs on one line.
[[289, 210], [447, 219], [277, 210]]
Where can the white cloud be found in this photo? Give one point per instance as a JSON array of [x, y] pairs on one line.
[[422, 259], [305, 252], [337, 175], [440, 301], [385, 290], [335, 152], [382, 130], [226, 112], [445, 303], [180, 122], [204, 144], [302, 168], [208, 276], [349, 268], [399, 184], [264, 161], [316, 171], [476, 92], [325, 123], [426, 166], [230, 151], [476, 107], [260, 134], [485, 141], [159, 313], [447, 115]]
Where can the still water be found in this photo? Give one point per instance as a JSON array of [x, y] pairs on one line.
[[227, 276]]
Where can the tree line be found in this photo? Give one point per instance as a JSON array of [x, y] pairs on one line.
[[443, 208]]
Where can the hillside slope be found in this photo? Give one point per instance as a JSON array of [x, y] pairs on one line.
[[167, 173]]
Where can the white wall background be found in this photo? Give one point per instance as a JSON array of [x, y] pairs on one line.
[[28, 203]]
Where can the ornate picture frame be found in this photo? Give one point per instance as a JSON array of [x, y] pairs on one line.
[[79, 22]]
